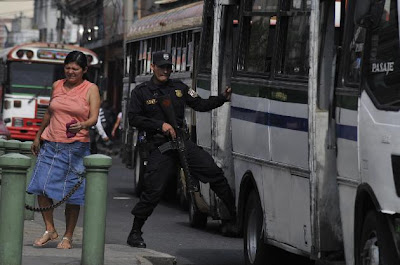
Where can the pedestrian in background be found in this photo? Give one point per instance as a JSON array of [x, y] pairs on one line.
[[107, 117], [95, 132], [73, 109], [117, 125], [146, 114]]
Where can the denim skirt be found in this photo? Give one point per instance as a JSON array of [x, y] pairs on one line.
[[59, 166]]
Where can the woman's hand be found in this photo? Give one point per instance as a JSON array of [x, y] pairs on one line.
[[76, 127], [35, 147]]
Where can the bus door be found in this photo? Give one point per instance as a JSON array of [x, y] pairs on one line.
[[368, 121], [346, 115]]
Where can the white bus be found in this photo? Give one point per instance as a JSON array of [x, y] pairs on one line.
[[311, 140], [27, 74]]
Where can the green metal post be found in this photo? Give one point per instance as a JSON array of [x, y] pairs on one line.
[[12, 207], [12, 146], [2, 147], [30, 199], [94, 220]]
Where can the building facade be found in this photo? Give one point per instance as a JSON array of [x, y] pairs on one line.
[[22, 31], [54, 22], [4, 31]]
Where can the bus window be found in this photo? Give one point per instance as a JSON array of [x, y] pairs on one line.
[[263, 6], [355, 43], [356, 49], [295, 33], [383, 68], [258, 36], [207, 37]]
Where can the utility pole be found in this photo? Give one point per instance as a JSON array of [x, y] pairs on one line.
[[128, 16], [139, 16], [60, 22]]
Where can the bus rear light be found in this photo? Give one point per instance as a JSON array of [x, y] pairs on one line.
[[17, 103], [20, 53], [44, 102], [29, 54], [18, 122], [396, 173]]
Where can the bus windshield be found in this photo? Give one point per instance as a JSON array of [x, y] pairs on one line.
[[34, 78], [384, 60]]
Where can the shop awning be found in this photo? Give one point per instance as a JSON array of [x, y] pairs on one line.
[[174, 20]]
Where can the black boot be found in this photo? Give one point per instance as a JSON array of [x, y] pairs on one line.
[[230, 227], [135, 238]]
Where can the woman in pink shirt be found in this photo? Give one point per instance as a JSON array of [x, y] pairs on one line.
[[64, 133]]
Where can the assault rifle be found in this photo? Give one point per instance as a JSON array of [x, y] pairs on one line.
[[178, 143]]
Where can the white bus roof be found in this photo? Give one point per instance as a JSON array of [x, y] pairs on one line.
[[182, 18]]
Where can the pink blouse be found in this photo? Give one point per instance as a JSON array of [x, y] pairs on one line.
[[64, 107]]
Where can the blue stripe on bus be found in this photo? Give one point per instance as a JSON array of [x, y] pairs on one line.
[[270, 119], [346, 132], [288, 122]]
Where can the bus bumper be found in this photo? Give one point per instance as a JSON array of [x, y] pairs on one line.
[[21, 133]]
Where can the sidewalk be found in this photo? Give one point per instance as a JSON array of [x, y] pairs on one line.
[[113, 254]]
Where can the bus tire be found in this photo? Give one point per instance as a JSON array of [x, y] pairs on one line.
[[376, 244], [255, 250], [197, 219], [139, 167]]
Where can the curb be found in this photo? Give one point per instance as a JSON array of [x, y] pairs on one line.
[[114, 254], [158, 258]]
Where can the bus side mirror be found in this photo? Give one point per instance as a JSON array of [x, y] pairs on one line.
[[368, 13], [7, 120]]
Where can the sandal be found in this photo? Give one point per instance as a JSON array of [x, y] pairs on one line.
[[45, 238], [63, 243]]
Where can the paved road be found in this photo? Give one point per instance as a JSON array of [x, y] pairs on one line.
[[168, 230]]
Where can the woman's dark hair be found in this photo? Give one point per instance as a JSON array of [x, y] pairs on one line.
[[79, 58]]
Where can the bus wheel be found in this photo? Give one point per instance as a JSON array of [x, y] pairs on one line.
[[376, 247], [255, 250], [139, 167], [197, 219]]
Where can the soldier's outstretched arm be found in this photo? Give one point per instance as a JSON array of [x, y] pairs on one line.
[[197, 103]]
